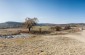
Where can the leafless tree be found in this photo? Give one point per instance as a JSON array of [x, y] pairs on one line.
[[30, 22]]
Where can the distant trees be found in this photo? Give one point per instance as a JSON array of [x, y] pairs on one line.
[[30, 22]]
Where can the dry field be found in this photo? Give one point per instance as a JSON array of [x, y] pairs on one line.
[[69, 44], [12, 31]]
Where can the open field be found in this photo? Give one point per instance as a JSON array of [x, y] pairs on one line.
[[35, 29], [42, 27], [12, 31], [69, 44]]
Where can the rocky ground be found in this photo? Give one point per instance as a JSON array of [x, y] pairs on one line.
[[70, 44]]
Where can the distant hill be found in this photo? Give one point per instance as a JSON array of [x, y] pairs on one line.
[[69, 24], [46, 24], [11, 24]]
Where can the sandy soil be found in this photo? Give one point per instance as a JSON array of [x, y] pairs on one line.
[[71, 44]]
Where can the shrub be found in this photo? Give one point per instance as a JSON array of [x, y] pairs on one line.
[[67, 27], [58, 28]]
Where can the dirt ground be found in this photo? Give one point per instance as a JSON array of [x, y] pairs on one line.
[[69, 44]]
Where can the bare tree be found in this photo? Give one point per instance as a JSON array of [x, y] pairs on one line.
[[30, 22]]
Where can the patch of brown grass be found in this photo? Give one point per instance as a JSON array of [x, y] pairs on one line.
[[4, 32], [42, 45]]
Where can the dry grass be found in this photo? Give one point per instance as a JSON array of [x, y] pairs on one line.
[[35, 29], [13, 31], [42, 45]]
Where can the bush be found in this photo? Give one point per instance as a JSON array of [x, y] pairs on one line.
[[67, 27], [58, 28]]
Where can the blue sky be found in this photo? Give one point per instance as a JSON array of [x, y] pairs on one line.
[[47, 11]]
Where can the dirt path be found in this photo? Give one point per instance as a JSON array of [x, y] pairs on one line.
[[79, 36]]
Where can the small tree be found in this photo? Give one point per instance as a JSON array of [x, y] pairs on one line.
[[30, 22]]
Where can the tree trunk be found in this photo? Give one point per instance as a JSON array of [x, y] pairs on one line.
[[29, 29]]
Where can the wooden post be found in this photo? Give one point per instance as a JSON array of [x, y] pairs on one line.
[[40, 29]]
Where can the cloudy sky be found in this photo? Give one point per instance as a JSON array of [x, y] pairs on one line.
[[47, 11]]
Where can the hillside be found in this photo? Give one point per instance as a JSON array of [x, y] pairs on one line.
[[10, 25]]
